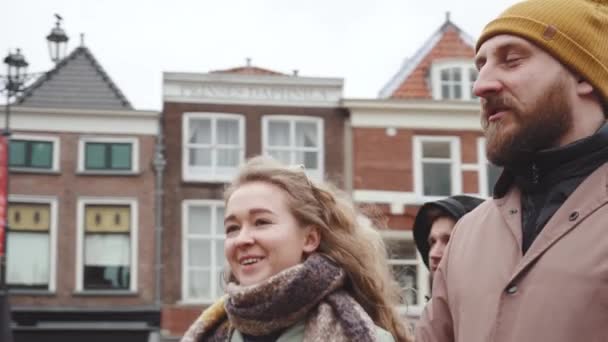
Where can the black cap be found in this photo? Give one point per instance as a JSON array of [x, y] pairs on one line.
[[454, 207]]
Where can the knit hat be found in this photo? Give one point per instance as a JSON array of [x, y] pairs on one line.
[[454, 207], [575, 32]]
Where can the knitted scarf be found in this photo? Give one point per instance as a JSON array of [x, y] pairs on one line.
[[311, 291]]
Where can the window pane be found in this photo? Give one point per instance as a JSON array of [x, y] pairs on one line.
[[227, 131], [445, 75], [219, 253], [199, 220], [401, 249], [199, 253], [493, 174], [308, 159], [457, 91], [445, 91], [121, 156], [432, 149], [42, 154], [406, 276], [456, 74], [199, 284], [17, 153], [200, 156], [282, 156], [107, 277], [306, 134], [437, 179], [95, 156], [228, 157], [278, 133], [107, 250], [473, 75], [219, 219], [28, 260], [200, 131]]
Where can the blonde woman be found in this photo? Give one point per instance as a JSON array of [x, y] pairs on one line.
[[301, 266]]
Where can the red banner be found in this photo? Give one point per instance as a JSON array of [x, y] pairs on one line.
[[3, 188]]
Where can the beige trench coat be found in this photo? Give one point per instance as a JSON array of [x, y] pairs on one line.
[[485, 290]]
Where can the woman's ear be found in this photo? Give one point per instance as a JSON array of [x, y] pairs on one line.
[[583, 87], [312, 239]]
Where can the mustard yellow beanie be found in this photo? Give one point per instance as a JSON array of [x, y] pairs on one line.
[[575, 32]]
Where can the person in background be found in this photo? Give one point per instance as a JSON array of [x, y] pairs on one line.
[[302, 267], [532, 263], [434, 223]]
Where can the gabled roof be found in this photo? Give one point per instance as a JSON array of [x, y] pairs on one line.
[[77, 81], [449, 41], [248, 70]]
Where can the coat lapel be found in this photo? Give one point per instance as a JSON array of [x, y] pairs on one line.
[[586, 198], [510, 209]]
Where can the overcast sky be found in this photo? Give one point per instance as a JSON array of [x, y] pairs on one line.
[[364, 42]]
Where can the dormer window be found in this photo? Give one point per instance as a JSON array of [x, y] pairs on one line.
[[453, 80]]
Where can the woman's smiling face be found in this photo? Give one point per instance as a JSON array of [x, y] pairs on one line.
[[262, 236]]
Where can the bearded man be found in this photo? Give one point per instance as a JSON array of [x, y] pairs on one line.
[[532, 263]]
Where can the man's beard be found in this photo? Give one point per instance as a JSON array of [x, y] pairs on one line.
[[536, 128]]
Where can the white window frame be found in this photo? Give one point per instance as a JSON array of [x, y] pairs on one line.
[[53, 203], [213, 204], [455, 161], [217, 176], [46, 138], [483, 162], [82, 202], [108, 140], [466, 87], [422, 273], [317, 174]]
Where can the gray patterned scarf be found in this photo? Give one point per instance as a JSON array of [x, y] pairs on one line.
[[311, 291]]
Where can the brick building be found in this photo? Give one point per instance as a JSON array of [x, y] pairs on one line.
[[81, 238], [421, 140], [212, 122]]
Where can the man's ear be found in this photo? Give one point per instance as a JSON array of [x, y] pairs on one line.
[[312, 240], [583, 87]]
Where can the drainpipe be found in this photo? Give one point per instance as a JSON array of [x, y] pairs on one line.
[[159, 167]]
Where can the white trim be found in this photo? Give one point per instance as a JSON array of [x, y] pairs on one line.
[[83, 120], [424, 114], [455, 161], [469, 167], [466, 87], [55, 158], [213, 205], [53, 206], [409, 65], [317, 174], [133, 236], [483, 164], [225, 174], [109, 140]]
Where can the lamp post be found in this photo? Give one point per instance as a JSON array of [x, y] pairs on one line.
[[14, 81], [57, 41]]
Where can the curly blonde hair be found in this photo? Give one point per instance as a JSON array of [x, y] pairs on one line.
[[346, 237]]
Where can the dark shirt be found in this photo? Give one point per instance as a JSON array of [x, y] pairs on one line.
[[547, 178]]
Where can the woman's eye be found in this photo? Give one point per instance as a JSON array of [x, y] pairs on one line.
[[261, 222], [231, 229]]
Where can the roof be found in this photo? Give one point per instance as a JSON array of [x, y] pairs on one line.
[[77, 81], [449, 41], [248, 70]]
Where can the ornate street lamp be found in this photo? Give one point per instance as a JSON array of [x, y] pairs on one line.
[[57, 41]]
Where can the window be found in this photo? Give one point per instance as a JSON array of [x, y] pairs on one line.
[[108, 155], [213, 146], [202, 250], [31, 243], [453, 80], [34, 153], [295, 140], [437, 166], [408, 269], [488, 172], [107, 243]]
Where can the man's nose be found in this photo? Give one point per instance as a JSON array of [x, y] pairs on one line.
[[487, 82]]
